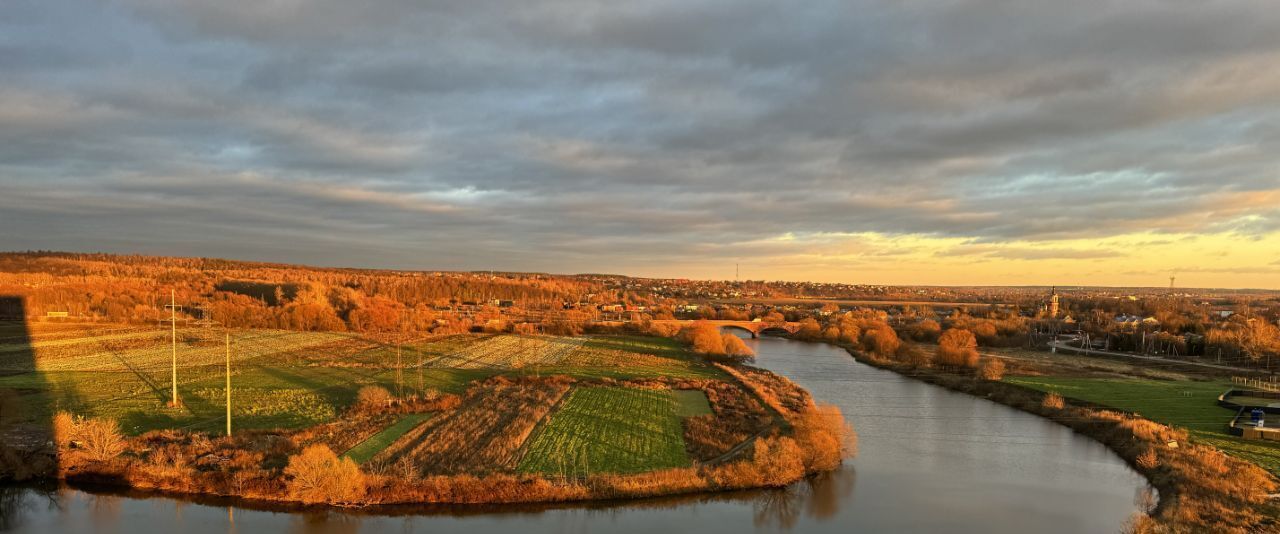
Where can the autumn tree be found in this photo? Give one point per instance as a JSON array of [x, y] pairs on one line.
[[926, 330], [373, 397], [986, 332], [809, 330], [705, 338], [317, 475], [735, 347], [881, 341], [958, 348]]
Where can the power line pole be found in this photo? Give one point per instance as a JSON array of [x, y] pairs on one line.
[[228, 345], [173, 328]]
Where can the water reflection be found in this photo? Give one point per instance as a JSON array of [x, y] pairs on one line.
[[817, 498], [930, 460]]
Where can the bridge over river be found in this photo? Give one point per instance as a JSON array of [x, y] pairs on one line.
[[754, 327]]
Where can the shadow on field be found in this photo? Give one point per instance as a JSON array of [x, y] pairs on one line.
[[25, 422]]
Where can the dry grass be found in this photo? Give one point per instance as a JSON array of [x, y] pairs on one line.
[[992, 369], [736, 415], [777, 392], [1052, 401]]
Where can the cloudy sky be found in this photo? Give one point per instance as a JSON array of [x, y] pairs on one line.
[[941, 142]]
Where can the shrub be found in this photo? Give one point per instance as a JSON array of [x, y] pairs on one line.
[[986, 332], [776, 462], [705, 338], [372, 397], [318, 475], [734, 346], [958, 348], [1148, 460], [100, 439], [809, 330], [916, 357], [927, 330], [1052, 401], [825, 438], [64, 428], [850, 333], [992, 369], [881, 341]]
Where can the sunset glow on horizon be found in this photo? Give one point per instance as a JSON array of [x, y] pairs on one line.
[[961, 143]]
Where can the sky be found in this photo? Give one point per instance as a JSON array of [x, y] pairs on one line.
[[886, 142]]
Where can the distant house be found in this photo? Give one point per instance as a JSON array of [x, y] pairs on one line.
[[1133, 321]]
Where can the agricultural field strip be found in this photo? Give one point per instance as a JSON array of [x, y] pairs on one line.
[[692, 402], [486, 433], [145, 386], [37, 338], [308, 401], [186, 378], [369, 448], [245, 346], [510, 352], [37, 344], [568, 355], [609, 429]]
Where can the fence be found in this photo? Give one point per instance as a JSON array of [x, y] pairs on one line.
[[1266, 385]]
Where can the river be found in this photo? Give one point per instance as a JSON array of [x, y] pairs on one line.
[[930, 460]]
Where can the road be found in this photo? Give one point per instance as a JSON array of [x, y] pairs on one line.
[[1063, 346]]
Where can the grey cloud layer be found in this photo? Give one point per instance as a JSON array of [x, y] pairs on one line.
[[548, 135]]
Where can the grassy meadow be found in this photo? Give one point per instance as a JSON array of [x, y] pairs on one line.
[[1182, 403]]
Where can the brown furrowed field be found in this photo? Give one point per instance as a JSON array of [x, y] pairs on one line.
[[486, 433]]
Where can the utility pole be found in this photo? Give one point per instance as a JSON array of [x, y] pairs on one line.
[[228, 384], [173, 329]]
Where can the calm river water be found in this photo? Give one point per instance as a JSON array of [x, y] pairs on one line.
[[930, 460]]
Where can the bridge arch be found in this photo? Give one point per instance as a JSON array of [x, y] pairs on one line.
[[777, 330], [728, 326]]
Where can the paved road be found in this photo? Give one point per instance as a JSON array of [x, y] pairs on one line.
[[1063, 346]]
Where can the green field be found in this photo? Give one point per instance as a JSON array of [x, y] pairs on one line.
[[1188, 404], [609, 430], [289, 380], [375, 444], [692, 402]]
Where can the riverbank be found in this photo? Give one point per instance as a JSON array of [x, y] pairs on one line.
[[1199, 487]]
